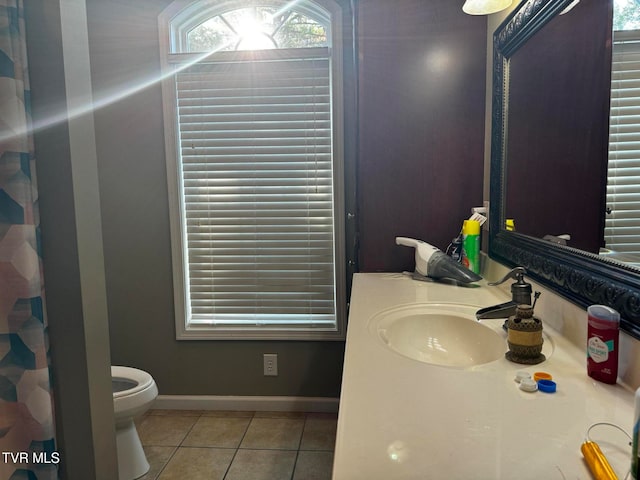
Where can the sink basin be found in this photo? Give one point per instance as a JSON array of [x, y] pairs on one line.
[[441, 334]]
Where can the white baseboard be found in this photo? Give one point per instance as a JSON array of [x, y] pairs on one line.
[[247, 403]]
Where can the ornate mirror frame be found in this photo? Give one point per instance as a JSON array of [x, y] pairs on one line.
[[581, 277]]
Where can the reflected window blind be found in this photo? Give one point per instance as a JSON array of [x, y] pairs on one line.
[[256, 160], [622, 226]]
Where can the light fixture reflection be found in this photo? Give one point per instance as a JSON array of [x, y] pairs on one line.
[[485, 7], [438, 60], [398, 451]]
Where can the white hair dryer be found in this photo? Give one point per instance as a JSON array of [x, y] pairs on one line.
[[434, 263]]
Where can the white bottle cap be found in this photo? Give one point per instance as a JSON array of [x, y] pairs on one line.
[[528, 385]]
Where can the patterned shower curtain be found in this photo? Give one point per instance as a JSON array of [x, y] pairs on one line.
[[27, 443]]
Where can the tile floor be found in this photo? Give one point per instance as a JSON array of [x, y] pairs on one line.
[[216, 445]]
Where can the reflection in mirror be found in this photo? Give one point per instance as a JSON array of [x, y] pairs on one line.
[[559, 81], [622, 228], [558, 101], [552, 96]]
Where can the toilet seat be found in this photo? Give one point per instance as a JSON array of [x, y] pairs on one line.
[[133, 393], [142, 378]]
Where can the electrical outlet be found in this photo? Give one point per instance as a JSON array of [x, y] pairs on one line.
[[484, 211], [485, 226], [270, 364]]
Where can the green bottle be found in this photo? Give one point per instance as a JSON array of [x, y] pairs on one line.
[[471, 245]]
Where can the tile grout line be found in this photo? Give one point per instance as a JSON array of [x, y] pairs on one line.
[[198, 417], [175, 450], [295, 462], [177, 447], [235, 453]]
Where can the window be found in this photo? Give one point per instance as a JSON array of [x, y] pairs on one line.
[[622, 225], [252, 97]]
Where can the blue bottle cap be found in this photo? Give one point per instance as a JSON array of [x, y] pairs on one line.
[[547, 386]]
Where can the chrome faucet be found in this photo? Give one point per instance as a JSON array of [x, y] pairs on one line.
[[520, 295]]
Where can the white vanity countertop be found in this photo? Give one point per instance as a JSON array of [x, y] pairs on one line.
[[404, 419]]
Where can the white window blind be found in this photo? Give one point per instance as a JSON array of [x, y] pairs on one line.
[[255, 149], [622, 226]]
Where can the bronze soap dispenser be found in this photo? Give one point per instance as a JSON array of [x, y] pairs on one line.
[[524, 337]]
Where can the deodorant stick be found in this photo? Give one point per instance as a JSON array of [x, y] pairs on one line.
[[602, 343]]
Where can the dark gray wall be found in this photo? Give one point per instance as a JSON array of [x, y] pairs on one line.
[[124, 47]]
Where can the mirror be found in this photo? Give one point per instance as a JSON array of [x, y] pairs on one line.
[[558, 128], [550, 129]]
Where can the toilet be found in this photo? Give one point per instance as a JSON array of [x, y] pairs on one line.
[[133, 393]]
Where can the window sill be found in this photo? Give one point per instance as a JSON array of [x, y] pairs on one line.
[[265, 333]]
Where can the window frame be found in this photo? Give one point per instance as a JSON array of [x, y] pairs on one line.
[[170, 38]]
